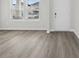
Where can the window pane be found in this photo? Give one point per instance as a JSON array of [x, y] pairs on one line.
[[28, 9]]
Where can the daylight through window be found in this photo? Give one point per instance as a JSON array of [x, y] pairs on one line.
[[25, 9]]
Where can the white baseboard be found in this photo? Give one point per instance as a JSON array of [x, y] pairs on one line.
[[76, 33], [71, 30], [52, 30], [22, 29]]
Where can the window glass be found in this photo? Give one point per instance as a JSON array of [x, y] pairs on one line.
[[28, 9]]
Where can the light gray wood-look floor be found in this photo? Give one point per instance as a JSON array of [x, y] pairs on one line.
[[38, 44]]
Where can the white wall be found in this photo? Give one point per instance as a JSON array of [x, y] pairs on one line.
[[40, 24], [62, 23], [75, 16], [0, 14]]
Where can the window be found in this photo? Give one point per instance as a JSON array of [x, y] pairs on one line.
[[25, 9]]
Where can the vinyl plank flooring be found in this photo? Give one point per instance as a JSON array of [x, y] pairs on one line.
[[38, 44]]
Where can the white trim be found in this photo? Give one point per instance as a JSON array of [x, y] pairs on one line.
[[47, 31], [22, 29], [76, 33], [71, 30]]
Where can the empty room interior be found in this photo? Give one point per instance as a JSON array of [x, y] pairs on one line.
[[39, 28]]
